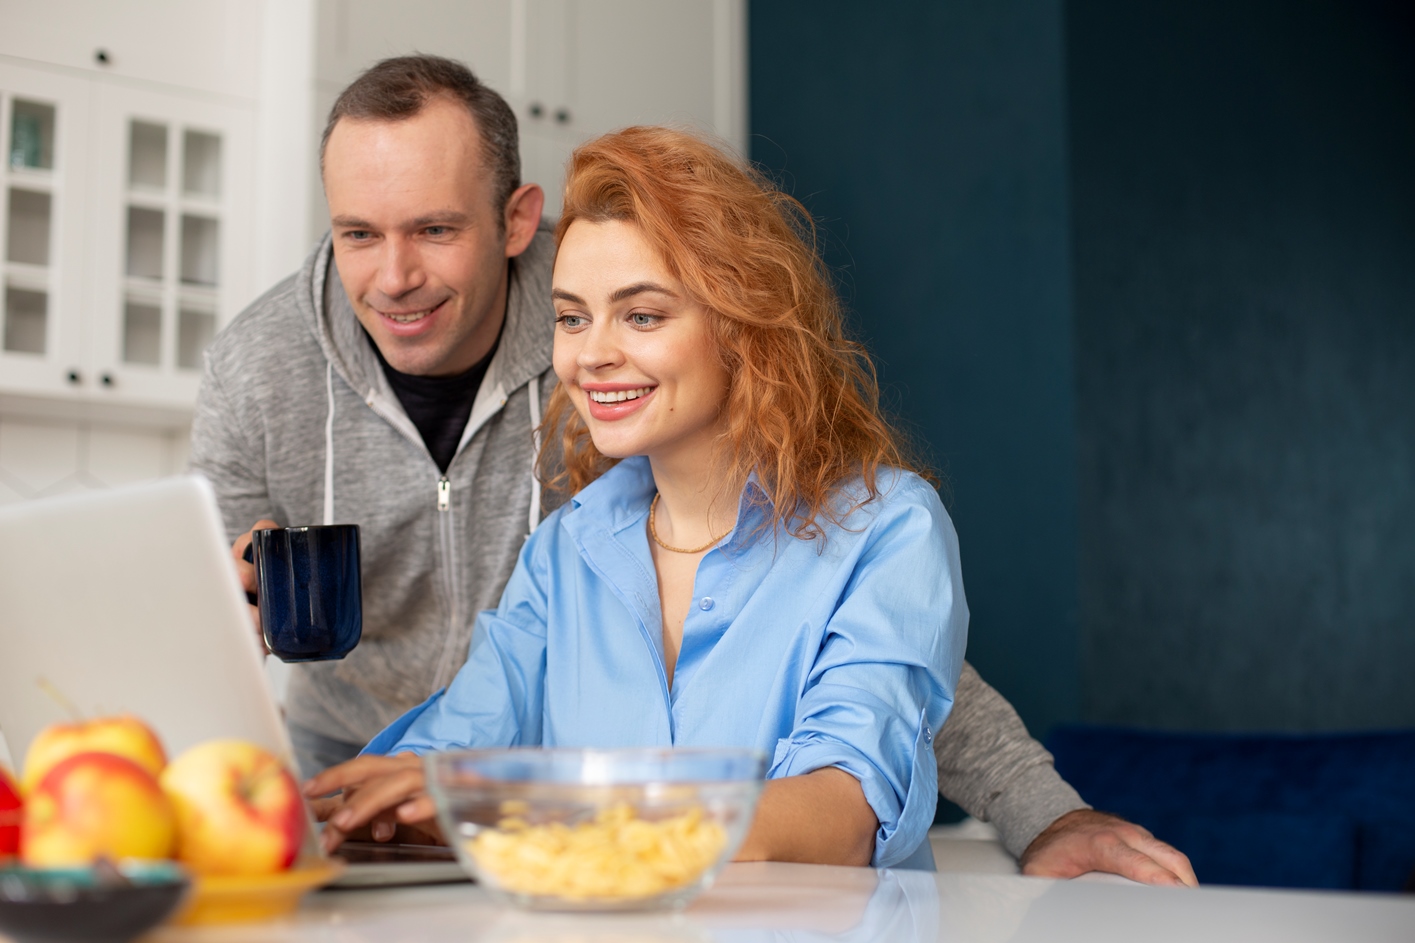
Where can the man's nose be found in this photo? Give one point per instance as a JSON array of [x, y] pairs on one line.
[[401, 269]]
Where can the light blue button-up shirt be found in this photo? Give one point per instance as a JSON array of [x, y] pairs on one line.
[[843, 653]]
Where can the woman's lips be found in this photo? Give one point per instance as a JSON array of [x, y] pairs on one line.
[[608, 412]]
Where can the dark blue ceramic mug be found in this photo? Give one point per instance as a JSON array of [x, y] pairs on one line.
[[309, 592]]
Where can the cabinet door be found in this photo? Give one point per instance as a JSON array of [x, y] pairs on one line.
[[354, 34], [593, 66], [209, 45], [44, 122], [642, 62], [171, 257]]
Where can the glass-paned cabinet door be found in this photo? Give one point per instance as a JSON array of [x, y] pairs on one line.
[[174, 234], [44, 146]]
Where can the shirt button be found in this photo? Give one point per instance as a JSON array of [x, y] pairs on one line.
[[705, 603]]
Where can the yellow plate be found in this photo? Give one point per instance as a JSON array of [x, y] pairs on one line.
[[248, 897]]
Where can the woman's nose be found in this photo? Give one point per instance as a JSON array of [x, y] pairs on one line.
[[599, 349]]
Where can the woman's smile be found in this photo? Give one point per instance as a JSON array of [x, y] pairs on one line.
[[608, 403]]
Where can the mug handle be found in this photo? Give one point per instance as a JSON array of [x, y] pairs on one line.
[[249, 557]]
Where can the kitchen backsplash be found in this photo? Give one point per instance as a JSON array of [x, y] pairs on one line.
[[44, 457]]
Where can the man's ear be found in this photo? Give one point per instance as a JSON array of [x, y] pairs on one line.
[[522, 217]]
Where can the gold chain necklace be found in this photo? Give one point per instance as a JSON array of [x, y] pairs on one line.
[[653, 532]]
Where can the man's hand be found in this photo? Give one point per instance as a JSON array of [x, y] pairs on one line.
[[245, 572], [384, 793], [1086, 840]]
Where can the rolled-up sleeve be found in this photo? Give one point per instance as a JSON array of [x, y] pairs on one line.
[[884, 677]]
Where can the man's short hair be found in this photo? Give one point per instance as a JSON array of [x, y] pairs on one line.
[[399, 88]]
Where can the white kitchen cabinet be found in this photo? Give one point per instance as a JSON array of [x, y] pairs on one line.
[[127, 238], [592, 66], [44, 137], [172, 263], [571, 69], [201, 45]]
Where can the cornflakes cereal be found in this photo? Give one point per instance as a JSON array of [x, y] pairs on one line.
[[616, 856]]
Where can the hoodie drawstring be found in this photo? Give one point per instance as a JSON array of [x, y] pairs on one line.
[[329, 447], [533, 388]]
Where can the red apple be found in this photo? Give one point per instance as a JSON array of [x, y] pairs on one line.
[[10, 811], [239, 811], [94, 804], [124, 736]]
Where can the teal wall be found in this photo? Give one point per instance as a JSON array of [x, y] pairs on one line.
[[1142, 278], [1244, 205], [929, 140]]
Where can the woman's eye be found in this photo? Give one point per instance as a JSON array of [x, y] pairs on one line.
[[570, 321], [640, 319]]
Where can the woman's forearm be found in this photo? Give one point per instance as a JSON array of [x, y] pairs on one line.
[[819, 818]]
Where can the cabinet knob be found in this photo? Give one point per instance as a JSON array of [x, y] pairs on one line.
[[107, 379], [562, 115], [536, 109], [100, 56], [74, 377]]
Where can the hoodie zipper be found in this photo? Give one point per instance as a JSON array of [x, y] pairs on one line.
[[447, 539]]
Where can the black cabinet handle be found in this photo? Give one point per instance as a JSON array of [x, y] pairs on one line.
[[74, 377], [107, 380], [563, 116], [536, 109]]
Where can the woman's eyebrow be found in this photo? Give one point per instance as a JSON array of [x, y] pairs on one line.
[[640, 288], [564, 295]]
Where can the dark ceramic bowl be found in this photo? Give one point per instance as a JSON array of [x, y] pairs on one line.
[[106, 904]]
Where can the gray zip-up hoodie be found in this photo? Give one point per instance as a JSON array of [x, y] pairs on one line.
[[295, 421]]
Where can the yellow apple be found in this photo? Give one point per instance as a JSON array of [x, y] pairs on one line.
[[239, 811], [123, 735], [95, 804], [11, 807]]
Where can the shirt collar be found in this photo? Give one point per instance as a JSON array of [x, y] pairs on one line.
[[621, 498]]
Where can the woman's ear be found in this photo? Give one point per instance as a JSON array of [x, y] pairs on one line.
[[523, 211]]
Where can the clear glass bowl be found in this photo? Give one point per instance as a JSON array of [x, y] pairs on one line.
[[595, 829]]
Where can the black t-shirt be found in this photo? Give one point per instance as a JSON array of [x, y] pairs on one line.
[[438, 406]]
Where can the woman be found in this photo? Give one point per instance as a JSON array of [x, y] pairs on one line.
[[745, 559]]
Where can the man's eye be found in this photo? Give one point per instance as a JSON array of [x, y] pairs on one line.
[[358, 235], [436, 230]]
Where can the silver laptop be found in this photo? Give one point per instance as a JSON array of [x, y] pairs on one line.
[[126, 601]]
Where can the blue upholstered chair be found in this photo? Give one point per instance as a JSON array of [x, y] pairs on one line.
[[1327, 811]]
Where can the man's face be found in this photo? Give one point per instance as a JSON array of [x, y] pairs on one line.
[[417, 239]]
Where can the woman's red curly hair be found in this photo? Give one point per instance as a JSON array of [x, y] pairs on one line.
[[802, 406]]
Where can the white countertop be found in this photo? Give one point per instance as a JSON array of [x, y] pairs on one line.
[[780, 902]]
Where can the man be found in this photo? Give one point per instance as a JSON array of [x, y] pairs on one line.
[[395, 383]]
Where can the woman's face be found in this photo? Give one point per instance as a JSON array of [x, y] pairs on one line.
[[632, 350]]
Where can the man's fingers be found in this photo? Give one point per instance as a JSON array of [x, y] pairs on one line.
[[1171, 858], [1138, 866]]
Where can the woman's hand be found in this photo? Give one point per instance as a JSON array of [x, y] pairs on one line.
[[380, 792]]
